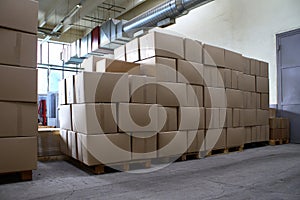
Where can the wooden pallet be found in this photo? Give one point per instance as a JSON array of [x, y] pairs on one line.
[[169, 159], [278, 142], [194, 155], [115, 167], [51, 158], [20, 176], [225, 151], [256, 145]]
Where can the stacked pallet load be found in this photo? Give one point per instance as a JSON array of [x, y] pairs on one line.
[[18, 87], [279, 129], [163, 96]]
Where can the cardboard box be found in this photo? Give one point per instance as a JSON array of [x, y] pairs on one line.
[[171, 94], [264, 69], [70, 89], [62, 92], [105, 148], [172, 143], [167, 119], [96, 87], [195, 96], [79, 147], [247, 66], [272, 112], [246, 82], [64, 142], [258, 106], [120, 53], [213, 56], [212, 77], [72, 144], [137, 117], [117, 66], [195, 141], [18, 119], [235, 98], [161, 44], [250, 100], [262, 84], [234, 61], [226, 117], [262, 117], [215, 139], [133, 50], [248, 136], [237, 117], [18, 154], [250, 117], [212, 120], [18, 84], [235, 84], [189, 72], [214, 97], [142, 89], [226, 75], [12, 15], [254, 67], [143, 146], [89, 64], [191, 118], [94, 118], [235, 137], [17, 48], [65, 117], [264, 101], [164, 69], [254, 134], [192, 50]]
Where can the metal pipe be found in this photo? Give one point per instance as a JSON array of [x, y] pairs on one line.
[[169, 9]]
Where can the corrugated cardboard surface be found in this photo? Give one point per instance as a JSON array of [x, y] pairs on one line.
[[48, 142], [120, 53], [191, 118], [171, 94], [143, 145], [195, 141], [213, 56], [65, 117], [89, 64], [117, 66], [190, 72], [192, 50], [172, 143], [171, 119], [133, 50], [215, 139], [142, 89], [235, 137]]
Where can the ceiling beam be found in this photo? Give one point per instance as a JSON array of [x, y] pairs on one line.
[[50, 11]]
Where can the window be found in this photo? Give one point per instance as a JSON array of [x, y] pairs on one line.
[[42, 81]]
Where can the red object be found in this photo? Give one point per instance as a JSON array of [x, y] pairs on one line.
[[43, 112]]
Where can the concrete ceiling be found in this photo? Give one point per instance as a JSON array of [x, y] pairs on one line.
[[91, 14]]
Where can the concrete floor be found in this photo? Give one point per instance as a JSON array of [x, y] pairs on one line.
[[271, 172]]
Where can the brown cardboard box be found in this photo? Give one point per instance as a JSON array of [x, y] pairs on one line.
[[48, 142], [246, 82], [18, 84], [189, 72], [235, 80], [235, 137], [262, 117], [143, 146], [18, 119], [18, 154], [250, 100], [213, 56], [96, 87], [71, 97], [262, 84], [89, 64], [64, 142], [62, 92], [267, 133], [264, 69], [170, 116], [161, 44], [117, 66], [250, 117], [72, 144], [191, 118], [12, 15], [238, 117], [142, 89], [17, 48], [235, 98], [253, 134], [214, 97], [171, 94], [65, 117], [264, 101], [105, 148], [94, 118], [212, 116], [215, 139], [247, 66], [234, 61], [226, 78], [133, 50], [272, 112], [79, 147], [195, 96], [273, 123], [192, 50], [164, 69], [254, 64], [248, 136], [258, 106], [120, 53], [195, 141], [172, 143], [212, 77], [226, 117], [137, 117]]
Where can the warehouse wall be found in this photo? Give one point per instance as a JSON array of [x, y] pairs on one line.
[[249, 27]]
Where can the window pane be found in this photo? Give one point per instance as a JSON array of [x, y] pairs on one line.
[[54, 53], [42, 81], [45, 53], [39, 51], [68, 74], [54, 77]]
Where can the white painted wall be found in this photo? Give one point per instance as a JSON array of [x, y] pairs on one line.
[[246, 26]]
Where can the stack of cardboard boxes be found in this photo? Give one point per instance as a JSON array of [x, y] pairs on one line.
[[279, 128], [165, 95], [18, 85]]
